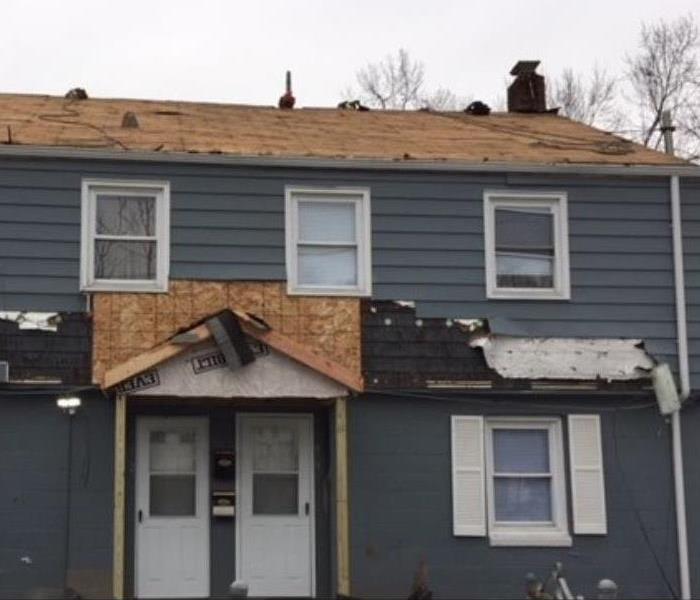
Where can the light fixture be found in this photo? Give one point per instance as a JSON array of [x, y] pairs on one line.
[[69, 404]]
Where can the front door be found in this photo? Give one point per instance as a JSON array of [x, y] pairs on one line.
[[172, 519], [275, 548]]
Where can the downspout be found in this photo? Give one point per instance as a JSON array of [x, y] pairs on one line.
[[683, 367]]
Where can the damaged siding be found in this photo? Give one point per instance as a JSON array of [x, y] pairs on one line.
[[427, 237]]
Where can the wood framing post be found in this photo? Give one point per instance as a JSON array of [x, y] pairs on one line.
[[342, 499], [119, 496]]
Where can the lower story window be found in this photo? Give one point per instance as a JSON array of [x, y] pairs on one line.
[[526, 483]]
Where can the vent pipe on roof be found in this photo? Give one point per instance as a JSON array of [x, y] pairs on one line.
[[76, 94], [129, 120], [527, 93], [287, 100]]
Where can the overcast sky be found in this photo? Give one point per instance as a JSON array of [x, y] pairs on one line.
[[237, 51]]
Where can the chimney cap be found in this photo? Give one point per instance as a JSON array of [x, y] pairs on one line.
[[524, 67]]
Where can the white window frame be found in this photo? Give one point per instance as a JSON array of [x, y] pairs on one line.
[[556, 202], [554, 533], [90, 189], [360, 197]]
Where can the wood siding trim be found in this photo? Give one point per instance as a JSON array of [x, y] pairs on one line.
[[342, 497], [118, 540]]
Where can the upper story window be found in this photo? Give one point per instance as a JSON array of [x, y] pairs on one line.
[[526, 245], [328, 241], [125, 242]]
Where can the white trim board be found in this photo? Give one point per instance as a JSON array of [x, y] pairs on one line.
[[639, 170]]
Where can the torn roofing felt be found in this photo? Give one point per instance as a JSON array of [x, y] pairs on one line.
[[401, 350], [566, 358], [233, 331], [59, 353]]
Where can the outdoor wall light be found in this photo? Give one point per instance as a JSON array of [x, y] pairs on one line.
[[69, 404]]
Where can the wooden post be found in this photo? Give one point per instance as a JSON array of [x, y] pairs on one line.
[[342, 500], [119, 496]]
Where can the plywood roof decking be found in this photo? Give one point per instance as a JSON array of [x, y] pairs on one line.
[[248, 131]]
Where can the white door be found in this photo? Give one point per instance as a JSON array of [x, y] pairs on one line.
[[275, 513], [172, 508]]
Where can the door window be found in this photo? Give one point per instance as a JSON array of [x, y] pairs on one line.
[[172, 473], [275, 470]]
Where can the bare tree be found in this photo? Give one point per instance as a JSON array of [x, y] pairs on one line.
[[592, 101], [665, 75], [398, 82]]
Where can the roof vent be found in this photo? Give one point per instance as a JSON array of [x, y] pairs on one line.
[[76, 94], [4, 371], [129, 120], [527, 93], [478, 108], [287, 100], [352, 105]]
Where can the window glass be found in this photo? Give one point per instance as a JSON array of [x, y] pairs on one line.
[[172, 466], [125, 260], [527, 497], [125, 215], [521, 450], [327, 266], [275, 470], [524, 247], [327, 222], [523, 499]]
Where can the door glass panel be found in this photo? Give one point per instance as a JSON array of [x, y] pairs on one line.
[[172, 496], [275, 469], [276, 448], [172, 467], [275, 494]]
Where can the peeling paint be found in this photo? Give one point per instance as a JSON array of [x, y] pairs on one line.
[[566, 358]]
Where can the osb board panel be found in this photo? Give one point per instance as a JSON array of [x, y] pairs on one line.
[[181, 127], [127, 324]]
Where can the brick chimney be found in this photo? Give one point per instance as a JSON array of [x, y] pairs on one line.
[[527, 93]]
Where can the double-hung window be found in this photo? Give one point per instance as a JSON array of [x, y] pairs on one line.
[[509, 481], [328, 241], [526, 245], [526, 483], [125, 236]]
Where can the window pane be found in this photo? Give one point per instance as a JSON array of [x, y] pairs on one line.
[[172, 451], [327, 266], [275, 448], [524, 270], [126, 215], [521, 450], [327, 222], [275, 494], [524, 229], [523, 499], [172, 496], [125, 260]]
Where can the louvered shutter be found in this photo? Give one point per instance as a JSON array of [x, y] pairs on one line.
[[468, 494], [587, 479]]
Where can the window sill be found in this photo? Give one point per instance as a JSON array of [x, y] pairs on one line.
[[330, 291], [148, 287], [554, 539], [511, 294]]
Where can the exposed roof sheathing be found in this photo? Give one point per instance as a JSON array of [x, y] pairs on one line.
[[255, 131]]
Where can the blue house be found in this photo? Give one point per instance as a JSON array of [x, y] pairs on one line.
[[320, 352]]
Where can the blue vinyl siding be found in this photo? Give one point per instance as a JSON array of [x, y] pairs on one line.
[[427, 229]]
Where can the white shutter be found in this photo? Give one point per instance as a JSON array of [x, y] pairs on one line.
[[468, 493], [587, 480]]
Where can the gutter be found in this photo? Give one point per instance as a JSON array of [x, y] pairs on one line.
[[444, 166], [683, 369]]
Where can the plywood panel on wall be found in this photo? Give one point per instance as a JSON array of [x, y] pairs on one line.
[[127, 324]]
